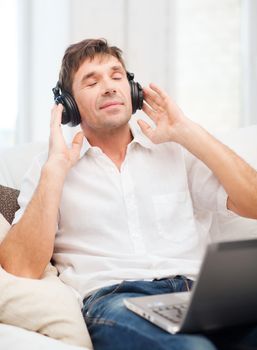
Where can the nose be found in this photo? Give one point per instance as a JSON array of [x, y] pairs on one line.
[[109, 91], [108, 88]]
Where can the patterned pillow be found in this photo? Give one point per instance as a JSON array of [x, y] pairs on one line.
[[8, 202]]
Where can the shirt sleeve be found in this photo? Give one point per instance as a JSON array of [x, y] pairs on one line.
[[206, 191], [29, 184]]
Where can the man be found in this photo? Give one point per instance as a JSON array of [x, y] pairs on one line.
[[125, 197]]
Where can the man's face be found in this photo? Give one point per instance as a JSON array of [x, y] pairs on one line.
[[102, 93]]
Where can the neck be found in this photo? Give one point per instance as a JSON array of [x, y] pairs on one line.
[[112, 142]]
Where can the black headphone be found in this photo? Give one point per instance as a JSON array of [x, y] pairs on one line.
[[71, 113]]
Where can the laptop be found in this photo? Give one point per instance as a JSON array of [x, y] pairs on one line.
[[225, 293]]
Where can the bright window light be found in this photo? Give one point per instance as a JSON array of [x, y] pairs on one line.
[[8, 71]]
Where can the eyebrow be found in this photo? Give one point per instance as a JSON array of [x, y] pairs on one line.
[[94, 73]]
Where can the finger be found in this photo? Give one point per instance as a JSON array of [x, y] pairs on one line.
[[159, 91], [78, 140], [152, 101], [152, 98], [56, 115], [77, 143], [149, 111], [146, 128], [56, 136], [166, 100]]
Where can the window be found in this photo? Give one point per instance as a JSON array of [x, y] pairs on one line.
[[209, 66], [8, 71]]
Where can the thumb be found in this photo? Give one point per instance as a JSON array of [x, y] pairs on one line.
[[146, 128], [77, 141]]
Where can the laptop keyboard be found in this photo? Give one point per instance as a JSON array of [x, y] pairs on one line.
[[173, 313]]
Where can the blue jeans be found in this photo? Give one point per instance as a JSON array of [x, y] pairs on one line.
[[113, 327]]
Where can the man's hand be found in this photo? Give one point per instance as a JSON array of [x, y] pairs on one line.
[[17, 251], [235, 175], [166, 115], [59, 155]]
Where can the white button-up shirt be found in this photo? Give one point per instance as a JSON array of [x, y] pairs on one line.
[[149, 220]]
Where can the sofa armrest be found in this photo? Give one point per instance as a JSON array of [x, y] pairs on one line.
[[15, 161], [244, 142]]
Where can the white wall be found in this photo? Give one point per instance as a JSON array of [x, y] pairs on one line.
[[190, 48], [249, 62], [142, 29], [176, 43]]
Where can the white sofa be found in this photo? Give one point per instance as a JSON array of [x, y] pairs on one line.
[[15, 161], [13, 164], [15, 338]]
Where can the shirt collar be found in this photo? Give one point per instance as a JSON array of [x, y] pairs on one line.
[[138, 137], [85, 147]]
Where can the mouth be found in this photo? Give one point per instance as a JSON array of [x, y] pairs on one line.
[[111, 104]]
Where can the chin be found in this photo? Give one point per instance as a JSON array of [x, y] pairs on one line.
[[116, 124]]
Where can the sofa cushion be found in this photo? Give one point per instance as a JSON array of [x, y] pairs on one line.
[[8, 202], [16, 338], [45, 305]]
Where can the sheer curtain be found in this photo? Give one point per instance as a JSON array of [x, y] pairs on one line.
[[203, 52], [43, 33], [249, 62], [8, 71]]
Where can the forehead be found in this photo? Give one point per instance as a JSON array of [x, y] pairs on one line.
[[98, 63]]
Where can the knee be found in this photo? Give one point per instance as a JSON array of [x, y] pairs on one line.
[[195, 342]]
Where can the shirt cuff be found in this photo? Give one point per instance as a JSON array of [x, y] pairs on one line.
[[222, 198], [17, 216]]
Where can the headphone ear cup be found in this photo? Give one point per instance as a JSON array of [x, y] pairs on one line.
[[137, 95], [70, 113]]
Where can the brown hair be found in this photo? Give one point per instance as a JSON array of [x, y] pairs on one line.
[[76, 54]]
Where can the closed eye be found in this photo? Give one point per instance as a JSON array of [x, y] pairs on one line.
[[92, 84], [117, 76]]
